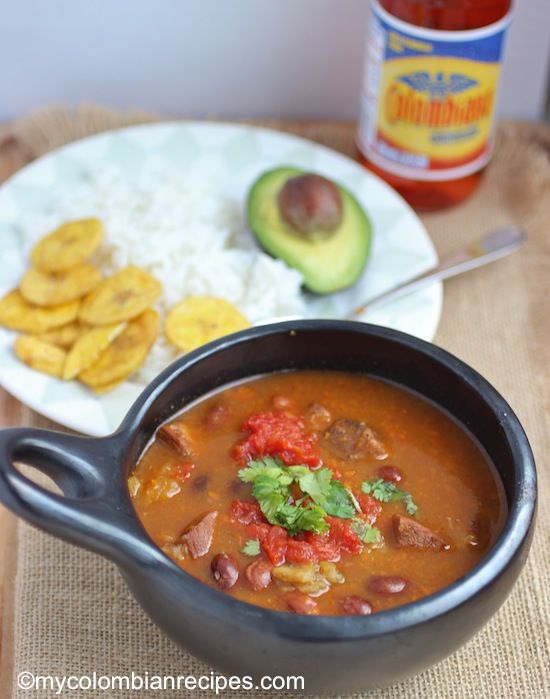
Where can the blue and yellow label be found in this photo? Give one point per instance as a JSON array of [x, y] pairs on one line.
[[428, 104]]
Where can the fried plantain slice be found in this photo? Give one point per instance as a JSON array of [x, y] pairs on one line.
[[121, 297], [88, 348], [40, 355], [68, 245], [17, 314], [53, 288], [126, 353], [64, 336], [200, 319]]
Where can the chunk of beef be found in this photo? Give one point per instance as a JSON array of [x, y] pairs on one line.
[[350, 439], [409, 532], [317, 417], [199, 537], [371, 443], [176, 436]]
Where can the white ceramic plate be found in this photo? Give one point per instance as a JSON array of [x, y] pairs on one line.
[[236, 154]]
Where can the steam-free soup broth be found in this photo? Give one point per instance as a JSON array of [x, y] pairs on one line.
[[319, 492]]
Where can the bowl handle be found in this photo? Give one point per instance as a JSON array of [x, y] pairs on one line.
[[94, 510]]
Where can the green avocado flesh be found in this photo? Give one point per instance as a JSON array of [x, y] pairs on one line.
[[327, 263]]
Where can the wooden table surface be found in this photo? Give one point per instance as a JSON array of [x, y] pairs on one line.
[[12, 413], [11, 410]]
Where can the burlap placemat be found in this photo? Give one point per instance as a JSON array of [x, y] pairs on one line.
[[73, 613]]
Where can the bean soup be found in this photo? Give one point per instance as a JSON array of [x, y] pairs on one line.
[[319, 492]]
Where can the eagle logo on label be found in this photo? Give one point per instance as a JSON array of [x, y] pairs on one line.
[[439, 85]]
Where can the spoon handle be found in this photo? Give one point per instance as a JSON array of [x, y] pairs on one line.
[[492, 247]]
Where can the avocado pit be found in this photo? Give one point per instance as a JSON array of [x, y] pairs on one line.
[[310, 204]]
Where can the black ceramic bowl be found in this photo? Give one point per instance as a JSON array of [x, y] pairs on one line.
[[332, 653]]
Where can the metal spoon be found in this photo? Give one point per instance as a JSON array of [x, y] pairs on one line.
[[492, 247]]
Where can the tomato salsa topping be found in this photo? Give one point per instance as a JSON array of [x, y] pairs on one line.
[[278, 434]]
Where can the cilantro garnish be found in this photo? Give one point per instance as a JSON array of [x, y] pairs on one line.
[[271, 481], [251, 547], [267, 466], [354, 500], [296, 518], [339, 502], [316, 484], [367, 533], [299, 499], [386, 491], [409, 503]]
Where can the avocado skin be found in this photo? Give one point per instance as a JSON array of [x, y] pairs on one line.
[[327, 264]]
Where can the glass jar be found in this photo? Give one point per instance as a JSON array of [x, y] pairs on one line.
[[428, 104]]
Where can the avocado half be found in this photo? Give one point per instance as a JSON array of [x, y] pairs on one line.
[[327, 264]]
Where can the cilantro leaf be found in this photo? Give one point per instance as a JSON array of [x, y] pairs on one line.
[[267, 462], [316, 484], [354, 500], [298, 471], [367, 533], [265, 467], [380, 489], [410, 505], [270, 494], [264, 485], [302, 519], [386, 491], [251, 547], [338, 502]]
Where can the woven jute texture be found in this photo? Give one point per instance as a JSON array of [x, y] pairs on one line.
[[73, 613]]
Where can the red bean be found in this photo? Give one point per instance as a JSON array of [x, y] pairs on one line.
[[200, 482], [388, 585], [225, 570], [301, 604], [390, 473], [280, 403], [216, 416], [237, 487], [357, 606], [258, 574]]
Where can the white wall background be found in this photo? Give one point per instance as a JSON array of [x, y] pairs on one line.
[[222, 58]]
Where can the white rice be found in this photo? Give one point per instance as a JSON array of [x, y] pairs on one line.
[[184, 230]]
